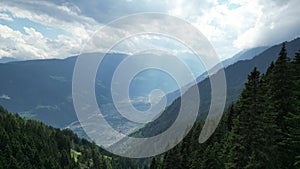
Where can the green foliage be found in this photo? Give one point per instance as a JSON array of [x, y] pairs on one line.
[[260, 130], [292, 140], [31, 144], [246, 134]]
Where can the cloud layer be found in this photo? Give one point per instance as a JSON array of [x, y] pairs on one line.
[[57, 29]]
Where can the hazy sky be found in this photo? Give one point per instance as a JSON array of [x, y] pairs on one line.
[[59, 28]]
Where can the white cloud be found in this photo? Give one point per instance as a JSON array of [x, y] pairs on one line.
[[5, 97], [278, 22], [34, 44], [234, 25], [222, 24], [231, 25], [6, 17]]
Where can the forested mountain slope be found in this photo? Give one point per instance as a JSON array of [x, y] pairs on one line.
[[28, 144], [260, 130], [236, 76]]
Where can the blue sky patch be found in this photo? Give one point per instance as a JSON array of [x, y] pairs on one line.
[[19, 24]]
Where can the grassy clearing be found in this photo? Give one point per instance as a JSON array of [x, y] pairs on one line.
[[75, 155]]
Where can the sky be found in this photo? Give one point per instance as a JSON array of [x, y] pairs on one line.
[[40, 29]]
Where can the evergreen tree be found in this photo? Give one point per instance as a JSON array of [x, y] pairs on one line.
[[246, 137], [230, 117], [281, 87], [153, 164], [268, 118], [281, 103], [292, 120]]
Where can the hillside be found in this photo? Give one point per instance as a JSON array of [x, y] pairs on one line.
[[260, 130], [247, 54], [8, 59], [236, 76], [42, 90], [31, 144]]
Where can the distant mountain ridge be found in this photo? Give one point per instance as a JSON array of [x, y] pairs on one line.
[[246, 54], [236, 75], [8, 59], [41, 89]]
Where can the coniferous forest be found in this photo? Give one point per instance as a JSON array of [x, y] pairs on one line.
[[29, 144], [260, 130]]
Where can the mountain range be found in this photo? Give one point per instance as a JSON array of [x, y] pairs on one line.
[[236, 76], [42, 89], [8, 59]]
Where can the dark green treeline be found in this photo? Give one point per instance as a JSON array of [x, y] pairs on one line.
[[29, 144], [260, 131]]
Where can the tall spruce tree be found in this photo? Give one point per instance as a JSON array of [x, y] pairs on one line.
[[245, 137], [268, 119], [281, 87], [293, 118], [281, 103]]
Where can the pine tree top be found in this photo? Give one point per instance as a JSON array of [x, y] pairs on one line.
[[282, 54], [297, 57]]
